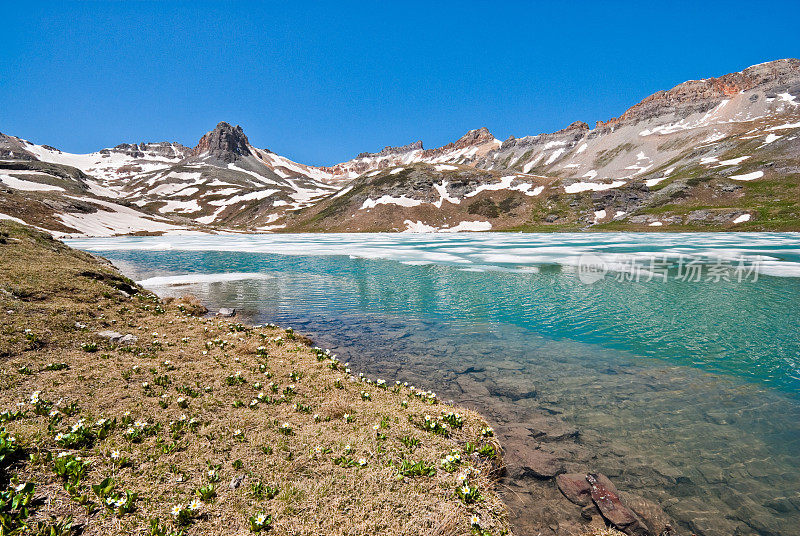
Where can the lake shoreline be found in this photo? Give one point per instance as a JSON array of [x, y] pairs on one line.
[[672, 431], [163, 409]]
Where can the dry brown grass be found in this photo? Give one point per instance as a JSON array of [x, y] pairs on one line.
[[65, 297], [189, 304]]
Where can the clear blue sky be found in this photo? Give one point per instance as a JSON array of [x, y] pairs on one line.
[[320, 82]]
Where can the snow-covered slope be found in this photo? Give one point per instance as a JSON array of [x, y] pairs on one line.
[[467, 149], [706, 154], [224, 180]]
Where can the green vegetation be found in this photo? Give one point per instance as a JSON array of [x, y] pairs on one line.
[[144, 438]]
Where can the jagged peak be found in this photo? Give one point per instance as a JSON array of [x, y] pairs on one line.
[[476, 136], [574, 126], [226, 142]]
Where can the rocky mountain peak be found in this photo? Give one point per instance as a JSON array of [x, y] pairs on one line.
[[474, 137], [575, 126], [225, 142], [701, 95]]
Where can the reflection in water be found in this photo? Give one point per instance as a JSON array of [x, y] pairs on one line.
[[684, 393]]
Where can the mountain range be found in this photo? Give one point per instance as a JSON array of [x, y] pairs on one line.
[[713, 154]]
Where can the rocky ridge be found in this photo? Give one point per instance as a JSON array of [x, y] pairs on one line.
[[718, 153], [225, 143]]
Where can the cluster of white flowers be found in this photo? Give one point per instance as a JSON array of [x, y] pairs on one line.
[[35, 397], [78, 425], [462, 477], [452, 458], [116, 503]]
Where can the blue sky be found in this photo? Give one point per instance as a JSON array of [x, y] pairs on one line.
[[321, 82]]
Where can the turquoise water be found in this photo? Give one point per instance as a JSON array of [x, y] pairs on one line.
[[679, 361]]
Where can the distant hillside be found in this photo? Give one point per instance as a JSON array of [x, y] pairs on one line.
[[714, 154]]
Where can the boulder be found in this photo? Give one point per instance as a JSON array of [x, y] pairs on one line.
[[575, 487], [605, 496], [226, 312], [117, 337]]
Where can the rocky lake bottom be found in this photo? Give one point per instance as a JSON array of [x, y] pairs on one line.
[[685, 397]]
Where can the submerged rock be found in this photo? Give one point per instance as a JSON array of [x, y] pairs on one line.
[[522, 460], [605, 496], [653, 516], [575, 487]]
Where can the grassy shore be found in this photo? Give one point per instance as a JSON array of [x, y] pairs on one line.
[[205, 426]]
